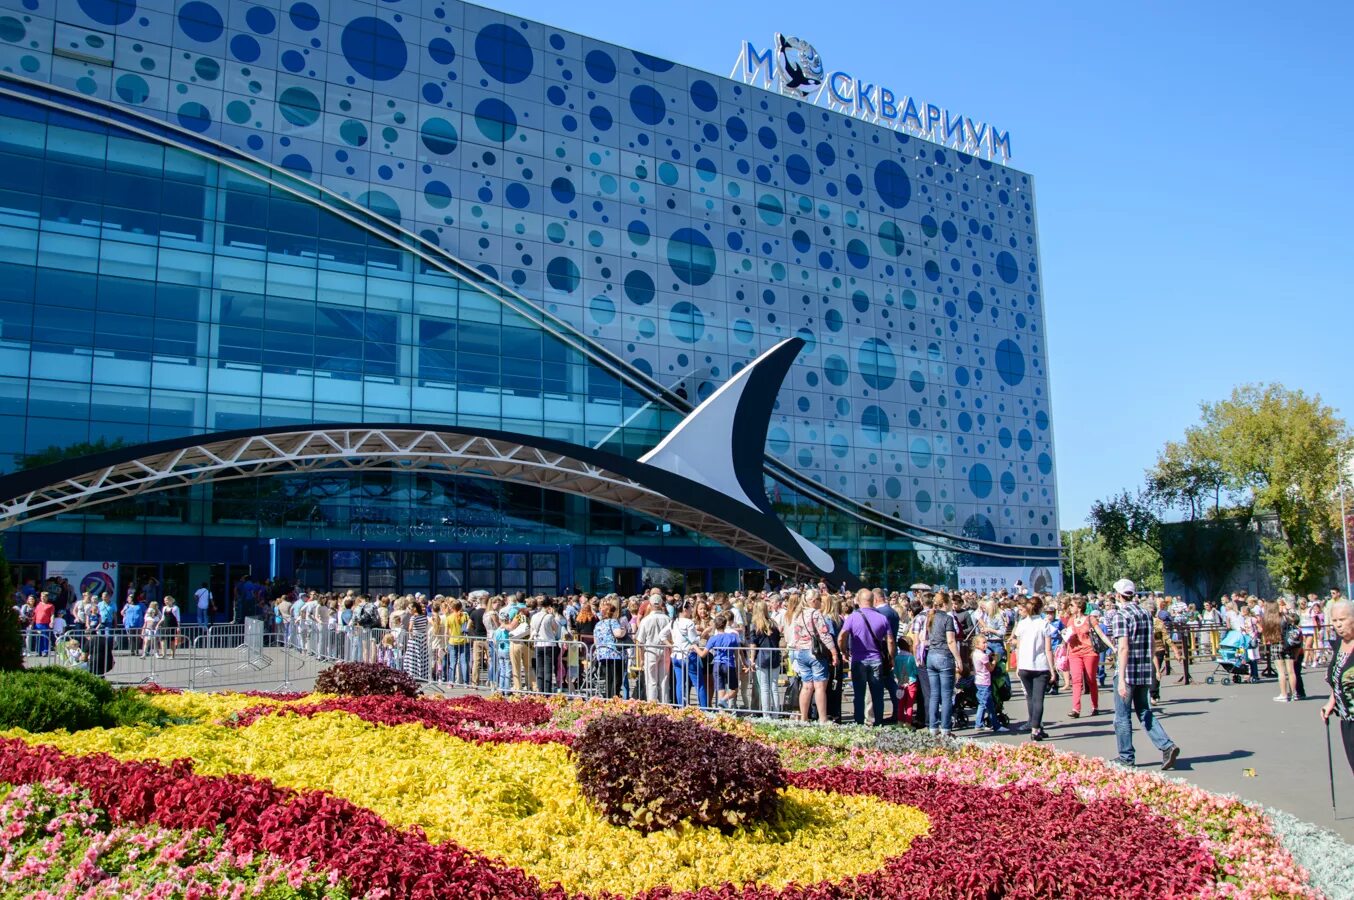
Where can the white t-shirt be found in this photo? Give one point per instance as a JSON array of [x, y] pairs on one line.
[[684, 637], [1029, 635], [204, 598]]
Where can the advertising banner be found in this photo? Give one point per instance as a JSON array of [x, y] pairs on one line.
[[1033, 579], [95, 576]]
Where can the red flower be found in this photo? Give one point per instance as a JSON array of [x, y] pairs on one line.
[[470, 718]]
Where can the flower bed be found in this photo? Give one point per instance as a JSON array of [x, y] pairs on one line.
[[387, 796]]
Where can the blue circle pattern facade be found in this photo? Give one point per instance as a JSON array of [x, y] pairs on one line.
[[684, 221]]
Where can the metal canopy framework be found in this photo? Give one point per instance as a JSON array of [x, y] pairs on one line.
[[102, 478]]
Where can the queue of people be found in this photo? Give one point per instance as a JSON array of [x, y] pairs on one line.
[[923, 657]]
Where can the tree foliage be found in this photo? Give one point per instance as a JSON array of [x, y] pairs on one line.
[[1097, 567], [1265, 451], [1283, 451]]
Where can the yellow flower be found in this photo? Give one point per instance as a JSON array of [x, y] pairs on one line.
[[213, 707], [521, 804]]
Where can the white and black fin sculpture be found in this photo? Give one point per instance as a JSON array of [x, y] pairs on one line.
[[722, 442]]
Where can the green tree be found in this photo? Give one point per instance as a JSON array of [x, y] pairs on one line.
[[1098, 566], [1180, 520], [1265, 451], [1282, 450], [11, 640]]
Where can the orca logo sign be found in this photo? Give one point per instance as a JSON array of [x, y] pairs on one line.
[[798, 66]]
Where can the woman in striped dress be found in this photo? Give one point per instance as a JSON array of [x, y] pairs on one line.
[[416, 641]]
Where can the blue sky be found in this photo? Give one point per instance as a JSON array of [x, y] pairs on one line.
[[1192, 166]]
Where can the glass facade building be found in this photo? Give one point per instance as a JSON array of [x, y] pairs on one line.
[[218, 214]]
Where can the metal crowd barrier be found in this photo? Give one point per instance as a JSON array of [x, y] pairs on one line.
[[744, 680], [163, 656]]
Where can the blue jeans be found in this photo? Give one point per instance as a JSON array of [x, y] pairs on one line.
[[889, 680], [863, 674], [689, 673], [766, 690], [460, 663], [1123, 723], [987, 714], [502, 667], [940, 693]]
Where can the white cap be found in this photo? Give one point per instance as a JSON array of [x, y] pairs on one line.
[[1125, 587]]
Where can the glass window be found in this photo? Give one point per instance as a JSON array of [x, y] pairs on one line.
[[176, 301], [338, 322], [59, 287], [175, 338], [127, 295], [381, 568]]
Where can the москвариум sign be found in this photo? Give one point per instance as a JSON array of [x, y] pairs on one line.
[[794, 67]]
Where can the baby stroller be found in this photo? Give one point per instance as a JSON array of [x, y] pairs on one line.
[[966, 698], [1232, 659]]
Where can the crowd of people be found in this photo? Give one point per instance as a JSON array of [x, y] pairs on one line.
[[930, 656]]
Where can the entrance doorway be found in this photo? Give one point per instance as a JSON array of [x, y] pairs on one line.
[[627, 582]]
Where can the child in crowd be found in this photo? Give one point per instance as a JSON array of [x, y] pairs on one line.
[[150, 632], [982, 681], [905, 675], [723, 644], [387, 656], [502, 650]]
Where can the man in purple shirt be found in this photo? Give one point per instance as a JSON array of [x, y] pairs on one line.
[[867, 639]]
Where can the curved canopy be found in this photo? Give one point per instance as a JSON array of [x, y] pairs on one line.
[[700, 478]]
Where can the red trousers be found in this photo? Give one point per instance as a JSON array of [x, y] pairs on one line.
[[907, 700], [1083, 671]]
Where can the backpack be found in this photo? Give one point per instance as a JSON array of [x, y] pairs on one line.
[[368, 617], [963, 626], [1292, 637]]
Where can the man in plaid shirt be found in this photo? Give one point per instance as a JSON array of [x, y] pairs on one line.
[[1130, 630]]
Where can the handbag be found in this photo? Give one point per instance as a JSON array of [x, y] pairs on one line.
[[1060, 658], [820, 650], [1097, 642]]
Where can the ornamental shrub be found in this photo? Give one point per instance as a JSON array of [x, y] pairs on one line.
[[129, 707], [58, 697], [42, 700], [357, 679], [100, 690], [650, 772]]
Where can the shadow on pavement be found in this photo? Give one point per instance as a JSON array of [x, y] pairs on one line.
[[1185, 763]]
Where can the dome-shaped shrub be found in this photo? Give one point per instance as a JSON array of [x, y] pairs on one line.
[[356, 679], [650, 772]]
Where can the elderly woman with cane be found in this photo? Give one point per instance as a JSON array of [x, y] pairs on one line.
[[1340, 677]]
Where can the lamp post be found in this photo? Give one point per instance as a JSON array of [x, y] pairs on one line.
[[1344, 527]]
